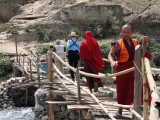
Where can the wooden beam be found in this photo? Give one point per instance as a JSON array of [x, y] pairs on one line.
[[57, 92], [80, 107], [93, 75], [78, 85], [136, 114], [50, 76], [145, 89], [154, 112], [60, 102], [118, 105], [137, 82]]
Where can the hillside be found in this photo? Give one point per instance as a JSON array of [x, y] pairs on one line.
[[60, 16]]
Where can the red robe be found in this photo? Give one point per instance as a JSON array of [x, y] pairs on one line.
[[125, 82], [91, 54]]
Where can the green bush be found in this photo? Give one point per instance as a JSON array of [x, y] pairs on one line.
[[137, 36], [105, 46], [27, 29], [76, 30], [13, 31], [43, 49], [42, 34], [105, 28], [5, 66]]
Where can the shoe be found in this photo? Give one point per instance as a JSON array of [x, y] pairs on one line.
[[95, 86], [73, 79], [119, 112]]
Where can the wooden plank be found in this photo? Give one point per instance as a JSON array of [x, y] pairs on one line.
[[60, 92], [61, 102], [79, 107], [51, 97], [78, 85], [145, 89], [137, 82], [154, 112]]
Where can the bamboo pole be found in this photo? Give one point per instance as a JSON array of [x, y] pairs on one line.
[[155, 69], [38, 73], [79, 91], [118, 105], [145, 90], [50, 67], [110, 89], [26, 102], [137, 82], [30, 66], [154, 112], [16, 48], [93, 75], [91, 94], [136, 114], [78, 85], [19, 59], [51, 97]]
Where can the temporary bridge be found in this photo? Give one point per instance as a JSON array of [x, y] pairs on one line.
[[78, 97]]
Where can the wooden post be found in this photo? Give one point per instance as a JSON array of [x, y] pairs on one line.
[[154, 112], [78, 85], [137, 82], [50, 67], [50, 76], [16, 49], [19, 59], [26, 102], [38, 73], [23, 61], [145, 90], [30, 66], [79, 91]]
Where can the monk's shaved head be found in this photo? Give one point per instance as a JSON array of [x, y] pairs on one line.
[[127, 26], [126, 32]]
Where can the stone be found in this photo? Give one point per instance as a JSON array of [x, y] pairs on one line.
[[45, 118]]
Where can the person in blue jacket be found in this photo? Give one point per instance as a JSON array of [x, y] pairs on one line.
[[72, 50]]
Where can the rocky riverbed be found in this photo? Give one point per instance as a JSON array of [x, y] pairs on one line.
[[11, 102]]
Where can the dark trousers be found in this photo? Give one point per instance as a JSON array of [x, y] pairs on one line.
[[73, 57]]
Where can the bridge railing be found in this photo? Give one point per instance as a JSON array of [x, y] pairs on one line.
[[144, 71]]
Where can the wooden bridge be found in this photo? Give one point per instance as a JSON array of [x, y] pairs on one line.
[[78, 96]]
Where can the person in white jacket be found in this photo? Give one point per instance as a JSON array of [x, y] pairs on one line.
[[60, 51]]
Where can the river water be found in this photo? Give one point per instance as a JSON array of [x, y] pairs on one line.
[[17, 114]]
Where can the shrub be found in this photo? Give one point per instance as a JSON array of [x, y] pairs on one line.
[[42, 34], [75, 29], [5, 66], [27, 30], [42, 49], [105, 46], [137, 36], [102, 29], [13, 31]]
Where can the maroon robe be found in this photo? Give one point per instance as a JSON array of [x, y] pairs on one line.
[[125, 82]]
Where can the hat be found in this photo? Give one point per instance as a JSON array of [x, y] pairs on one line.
[[73, 34], [58, 42]]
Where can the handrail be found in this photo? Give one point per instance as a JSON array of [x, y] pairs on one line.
[[94, 75], [154, 113], [155, 69]]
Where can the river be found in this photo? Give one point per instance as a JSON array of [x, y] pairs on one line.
[[17, 114]]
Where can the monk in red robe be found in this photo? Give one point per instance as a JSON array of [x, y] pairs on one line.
[[91, 54], [124, 50]]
